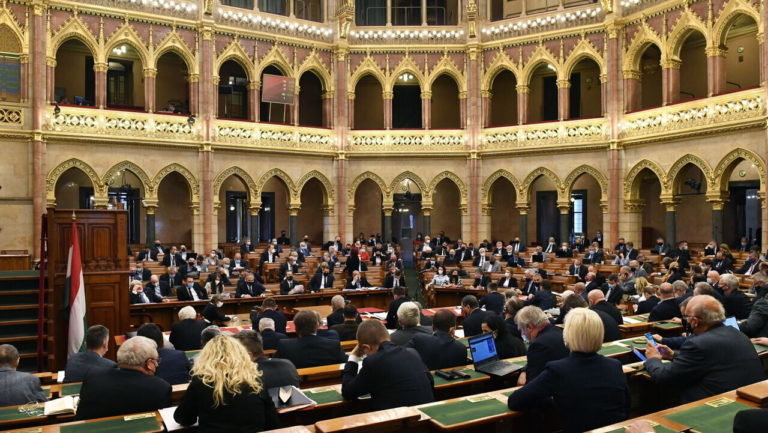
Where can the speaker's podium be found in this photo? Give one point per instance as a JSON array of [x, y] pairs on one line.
[[104, 257]]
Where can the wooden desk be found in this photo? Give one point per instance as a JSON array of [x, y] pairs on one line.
[[448, 296], [14, 262], [56, 428]]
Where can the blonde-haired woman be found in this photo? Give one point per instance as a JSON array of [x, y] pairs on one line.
[[583, 372], [226, 393]]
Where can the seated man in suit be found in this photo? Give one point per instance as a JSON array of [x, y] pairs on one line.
[[716, 359], [276, 372], [248, 287], [269, 310], [246, 247], [594, 255], [752, 265], [269, 256], [473, 316], [270, 337], [543, 298], [17, 387], [537, 256], [481, 280], [157, 249], [507, 281], [546, 341], [96, 345], [291, 265], [650, 301], [337, 316], [357, 282], [597, 301], [667, 308], [531, 282], [440, 350], [145, 254], [170, 280], [174, 365], [172, 258], [139, 272], [480, 260], [613, 291], [309, 350], [237, 266], [382, 374], [283, 239], [494, 299], [577, 269], [322, 280], [289, 287], [185, 334], [661, 248], [408, 318], [137, 293], [130, 388], [399, 297], [347, 330], [515, 261], [451, 258], [191, 269], [191, 290], [564, 251], [735, 302], [154, 290], [394, 279]]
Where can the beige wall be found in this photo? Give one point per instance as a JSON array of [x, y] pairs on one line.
[[651, 78], [70, 69], [445, 103], [68, 188], [743, 68], [171, 82], [505, 224], [173, 219], [369, 105], [589, 77], [504, 100], [367, 218], [693, 69], [232, 183], [543, 183], [310, 219], [446, 215], [594, 220]]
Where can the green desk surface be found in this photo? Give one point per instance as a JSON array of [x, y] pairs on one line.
[[71, 389], [667, 325], [13, 414], [324, 396], [657, 428], [760, 348], [448, 414], [117, 425], [191, 353], [439, 381], [613, 349], [637, 342], [708, 419]]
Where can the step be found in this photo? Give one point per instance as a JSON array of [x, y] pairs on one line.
[[18, 307], [4, 340], [18, 322], [18, 292]]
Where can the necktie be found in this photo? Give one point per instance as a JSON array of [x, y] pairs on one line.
[[397, 282], [193, 292], [144, 299]]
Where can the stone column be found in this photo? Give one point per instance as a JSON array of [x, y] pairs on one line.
[[426, 226], [387, 232], [254, 105], [100, 81], [565, 221], [255, 234], [523, 221], [388, 96], [328, 110], [612, 107], [343, 120], [715, 70], [38, 39], [330, 228], [24, 73], [463, 102], [207, 199], [50, 81], [150, 75], [197, 226], [563, 99], [522, 103], [194, 93], [671, 81], [150, 223], [389, 12], [291, 8], [485, 98], [426, 110], [423, 12], [214, 98], [632, 91], [717, 200], [484, 229], [294, 109], [293, 221], [670, 220], [351, 109], [632, 219]]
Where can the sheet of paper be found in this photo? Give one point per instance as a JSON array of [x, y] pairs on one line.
[[630, 321], [170, 423]]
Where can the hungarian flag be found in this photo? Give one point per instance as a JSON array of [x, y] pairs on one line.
[[74, 290]]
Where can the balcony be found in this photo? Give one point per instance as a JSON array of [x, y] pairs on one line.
[[581, 132], [234, 134], [407, 141]]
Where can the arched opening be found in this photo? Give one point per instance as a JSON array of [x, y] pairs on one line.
[[310, 218], [369, 104], [273, 112], [504, 99], [10, 66], [585, 97], [311, 10], [273, 215], [505, 218], [406, 216], [406, 102], [742, 64], [279, 7], [367, 218], [174, 214], [310, 100], [446, 209], [650, 78], [172, 84], [586, 215], [693, 67], [652, 219], [125, 78], [543, 98], [74, 190], [693, 212], [126, 191], [544, 216], [74, 80], [233, 217], [742, 211], [446, 113], [233, 91]]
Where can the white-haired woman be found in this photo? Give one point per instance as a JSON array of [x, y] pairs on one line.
[[226, 393], [583, 373]]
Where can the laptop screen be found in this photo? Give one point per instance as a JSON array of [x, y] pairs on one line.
[[482, 348]]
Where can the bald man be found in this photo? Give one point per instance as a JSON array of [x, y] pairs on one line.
[[668, 307], [597, 302], [383, 374], [715, 359]]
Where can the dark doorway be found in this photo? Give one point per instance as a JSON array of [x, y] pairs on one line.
[[574, 95], [237, 215], [267, 216], [741, 214], [547, 216], [406, 222], [549, 107], [578, 213], [406, 107]]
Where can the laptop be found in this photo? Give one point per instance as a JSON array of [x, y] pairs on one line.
[[485, 358]]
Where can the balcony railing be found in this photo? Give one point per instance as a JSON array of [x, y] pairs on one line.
[[407, 141], [569, 132], [120, 123], [273, 136]]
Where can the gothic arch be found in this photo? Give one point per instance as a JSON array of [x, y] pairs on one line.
[[731, 11], [722, 173], [674, 171], [632, 190], [74, 28], [367, 67], [327, 185], [315, 65], [362, 177], [447, 67], [173, 43], [687, 23], [453, 177], [591, 171], [500, 63], [146, 182], [541, 55], [406, 65], [274, 58], [486, 195], [235, 52], [583, 50], [54, 175], [244, 176], [276, 172], [413, 177], [194, 186], [13, 29], [644, 37], [525, 190], [126, 34]]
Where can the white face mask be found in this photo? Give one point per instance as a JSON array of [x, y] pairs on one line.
[[440, 272], [506, 275], [219, 304]]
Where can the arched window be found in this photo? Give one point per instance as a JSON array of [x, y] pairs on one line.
[[10, 65]]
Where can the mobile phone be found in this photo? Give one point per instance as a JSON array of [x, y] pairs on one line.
[[639, 354], [649, 337], [445, 375], [460, 374]]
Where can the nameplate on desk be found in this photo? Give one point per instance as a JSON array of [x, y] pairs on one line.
[[139, 416], [477, 398], [720, 402]]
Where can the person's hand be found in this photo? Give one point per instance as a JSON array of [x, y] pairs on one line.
[[677, 320], [358, 351], [665, 351], [522, 379], [651, 351], [166, 300], [657, 338], [760, 340], [641, 426], [246, 296]]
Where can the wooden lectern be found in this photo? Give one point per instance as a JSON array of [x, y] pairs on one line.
[[104, 255]]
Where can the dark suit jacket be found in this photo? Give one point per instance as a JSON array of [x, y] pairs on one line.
[[285, 267], [564, 254], [185, 335], [355, 264], [756, 324], [384, 377], [537, 257], [278, 316], [737, 304], [256, 289], [439, 350], [286, 286], [568, 380], [212, 314], [177, 261], [335, 318], [476, 261], [174, 366], [509, 346], [401, 337], [278, 372], [711, 363], [595, 258], [722, 265], [582, 272], [473, 323], [347, 330], [145, 274], [547, 346], [392, 322], [166, 282], [615, 296], [610, 327], [647, 305], [389, 281], [149, 289], [493, 301], [529, 287], [665, 310], [512, 282], [314, 284], [81, 363], [543, 299], [183, 293], [310, 351], [243, 412], [17, 388], [362, 282], [750, 421], [609, 309], [481, 282], [271, 339], [121, 392]]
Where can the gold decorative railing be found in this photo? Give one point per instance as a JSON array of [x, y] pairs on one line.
[[274, 136], [715, 112], [407, 141], [11, 116], [570, 132], [120, 123]]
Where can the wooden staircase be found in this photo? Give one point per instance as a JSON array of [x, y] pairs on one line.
[[19, 314]]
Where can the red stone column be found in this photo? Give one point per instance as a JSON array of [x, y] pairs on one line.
[[388, 96], [632, 95], [194, 93], [100, 81], [150, 75], [612, 105], [670, 78], [463, 101], [474, 129], [343, 120], [253, 101], [208, 100], [294, 109], [563, 99], [328, 109], [50, 94], [39, 147], [485, 102], [426, 110], [350, 110], [522, 103], [715, 71]]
